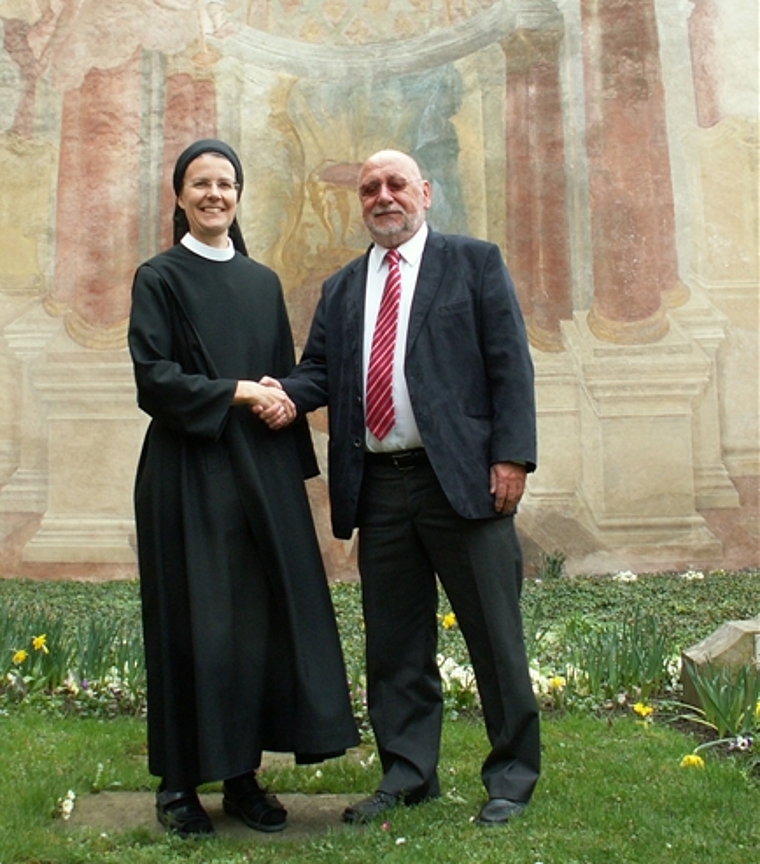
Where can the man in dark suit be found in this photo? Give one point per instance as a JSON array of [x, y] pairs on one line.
[[433, 488]]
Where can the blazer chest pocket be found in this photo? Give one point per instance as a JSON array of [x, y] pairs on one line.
[[456, 307]]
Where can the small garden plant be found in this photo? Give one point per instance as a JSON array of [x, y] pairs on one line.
[[623, 649]]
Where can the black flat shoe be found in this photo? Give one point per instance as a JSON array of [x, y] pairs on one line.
[[498, 811], [367, 809], [182, 814], [245, 799]]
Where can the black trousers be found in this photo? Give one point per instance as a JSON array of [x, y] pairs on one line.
[[408, 534]]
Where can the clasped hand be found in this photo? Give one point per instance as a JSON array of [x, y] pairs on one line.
[[267, 400]]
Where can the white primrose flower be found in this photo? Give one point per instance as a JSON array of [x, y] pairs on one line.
[[66, 805]]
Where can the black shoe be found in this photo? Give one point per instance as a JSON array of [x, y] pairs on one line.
[[498, 811], [367, 809], [182, 814], [244, 798], [429, 792]]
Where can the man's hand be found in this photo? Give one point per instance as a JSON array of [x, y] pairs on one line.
[[267, 400], [507, 486], [273, 416]]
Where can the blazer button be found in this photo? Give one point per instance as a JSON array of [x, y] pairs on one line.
[[358, 442]]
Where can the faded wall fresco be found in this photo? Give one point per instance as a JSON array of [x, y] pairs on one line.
[[608, 147]]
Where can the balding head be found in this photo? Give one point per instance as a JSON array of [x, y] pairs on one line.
[[394, 197]]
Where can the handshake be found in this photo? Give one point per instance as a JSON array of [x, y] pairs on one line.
[[267, 400]]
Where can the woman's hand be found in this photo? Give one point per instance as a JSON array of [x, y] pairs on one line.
[[267, 401]]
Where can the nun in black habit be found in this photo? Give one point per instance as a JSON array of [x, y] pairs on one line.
[[241, 644]]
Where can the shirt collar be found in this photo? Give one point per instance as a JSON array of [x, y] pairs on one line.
[[210, 252], [411, 251]]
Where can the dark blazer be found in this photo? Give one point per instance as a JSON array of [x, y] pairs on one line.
[[468, 370]]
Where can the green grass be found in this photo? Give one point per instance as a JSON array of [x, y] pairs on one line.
[[612, 789], [610, 792]]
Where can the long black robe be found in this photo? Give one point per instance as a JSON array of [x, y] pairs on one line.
[[240, 638]]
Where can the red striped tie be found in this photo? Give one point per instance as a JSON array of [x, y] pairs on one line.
[[380, 412]]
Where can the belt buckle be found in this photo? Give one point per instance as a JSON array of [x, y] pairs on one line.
[[403, 461]]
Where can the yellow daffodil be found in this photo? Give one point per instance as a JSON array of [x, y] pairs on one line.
[[643, 710], [691, 760], [757, 711], [449, 620], [38, 643], [557, 682], [19, 657]]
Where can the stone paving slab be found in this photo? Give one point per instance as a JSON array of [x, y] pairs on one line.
[[113, 812]]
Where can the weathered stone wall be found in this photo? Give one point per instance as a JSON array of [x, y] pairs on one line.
[[609, 148]]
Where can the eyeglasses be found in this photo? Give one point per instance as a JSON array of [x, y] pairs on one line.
[[202, 184], [396, 185]]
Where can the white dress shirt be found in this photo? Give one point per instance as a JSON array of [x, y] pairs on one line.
[[404, 435]]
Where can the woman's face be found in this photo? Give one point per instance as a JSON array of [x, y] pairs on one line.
[[209, 197]]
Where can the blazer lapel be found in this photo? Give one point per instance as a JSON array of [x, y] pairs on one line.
[[432, 270]]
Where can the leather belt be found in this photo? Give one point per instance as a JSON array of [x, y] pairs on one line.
[[400, 459]]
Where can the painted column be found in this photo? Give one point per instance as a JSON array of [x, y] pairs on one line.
[[98, 206], [674, 292], [703, 62], [640, 373], [537, 232], [630, 195], [520, 238], [15, 32], [190, 114], [60, 298]]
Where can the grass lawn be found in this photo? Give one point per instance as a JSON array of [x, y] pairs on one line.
[[610, 792], [612, 789]]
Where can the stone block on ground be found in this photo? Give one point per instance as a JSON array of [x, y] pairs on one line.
[[732, 645], [114, 812]]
